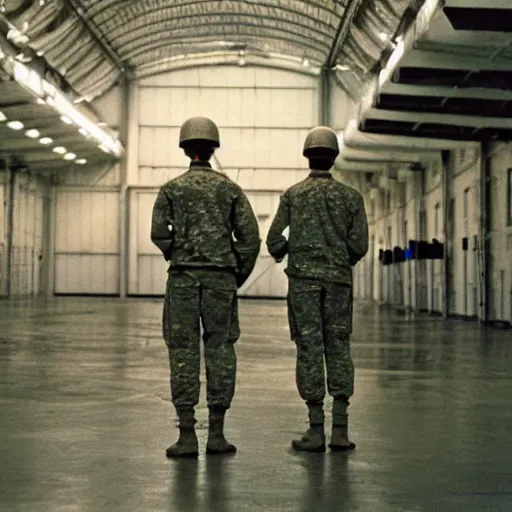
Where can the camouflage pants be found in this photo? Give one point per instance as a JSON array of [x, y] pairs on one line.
[[320, 316], [207, 297]]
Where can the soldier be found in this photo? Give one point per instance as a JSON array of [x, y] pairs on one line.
[[328, 234], [205, 227]]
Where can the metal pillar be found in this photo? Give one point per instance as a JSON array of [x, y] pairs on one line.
[[325, 98], [123, 195], [10, 230], [49, 240], [485, 230], [447, 172]]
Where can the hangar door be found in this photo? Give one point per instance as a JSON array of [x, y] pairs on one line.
[[263, 116]]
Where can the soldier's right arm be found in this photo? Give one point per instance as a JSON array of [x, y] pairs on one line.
[[277, 244], [357, 240], [162, 218], [247, 235]]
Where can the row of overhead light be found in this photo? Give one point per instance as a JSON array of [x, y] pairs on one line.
[[45, 141]]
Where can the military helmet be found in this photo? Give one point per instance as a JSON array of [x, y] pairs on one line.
[[199, 128], [321, 137]]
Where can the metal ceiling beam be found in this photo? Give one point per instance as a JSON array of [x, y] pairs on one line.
[[341, 32], [77, 7], [478, 4], [438, 60], [446, 92], [357, 154], [429, 118], [354, 138]]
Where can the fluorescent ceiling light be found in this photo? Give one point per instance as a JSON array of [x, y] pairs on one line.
[[81, 161], [33, 134], [59, 150], [40, 101], [103, 148], [84, 132], [69, 156], [46, 140], [2, 117], [15, 125], [33, 81], [383, 36], [66, 120]]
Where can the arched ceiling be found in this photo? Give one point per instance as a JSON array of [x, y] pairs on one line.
[[93, 42]]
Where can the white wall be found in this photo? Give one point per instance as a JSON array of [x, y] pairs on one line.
[[419, 285], [501, 233], [27, 235], [263, 116]]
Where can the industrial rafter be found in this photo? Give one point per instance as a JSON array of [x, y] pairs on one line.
[[78, 9]]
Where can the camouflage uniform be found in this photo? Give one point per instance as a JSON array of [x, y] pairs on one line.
[[205, 209], [328, 234]]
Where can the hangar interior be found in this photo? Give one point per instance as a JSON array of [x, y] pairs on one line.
[[92, 95]]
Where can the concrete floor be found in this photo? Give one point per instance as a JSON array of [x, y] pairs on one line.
[[85, 416]]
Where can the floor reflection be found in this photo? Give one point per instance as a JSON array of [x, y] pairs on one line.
[[184, 485]]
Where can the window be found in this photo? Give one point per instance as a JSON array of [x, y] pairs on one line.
[[509, 197]]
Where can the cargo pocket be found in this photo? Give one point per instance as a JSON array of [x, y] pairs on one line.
[[291, 319]]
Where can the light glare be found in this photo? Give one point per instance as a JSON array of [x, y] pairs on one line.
[[15, 125]]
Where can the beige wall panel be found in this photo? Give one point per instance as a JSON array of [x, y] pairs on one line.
[[340, 107], [263, 116], [100, 175], [152, 275], [465, 278], [87, 222], [110, 106], [184, 78], [86, 274], [234, 76], [87, 242], [146, 202], [147, 267], [250, 147], [289, 108], [501, 236]]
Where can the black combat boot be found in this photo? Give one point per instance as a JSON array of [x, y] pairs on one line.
[[339, 439], [314, 439], [217, 443], [187, 445]]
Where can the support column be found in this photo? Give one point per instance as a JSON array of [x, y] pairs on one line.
[[48, 277], [325, 98], [485, 232], [124, 127], [447, 205], [10, 231]]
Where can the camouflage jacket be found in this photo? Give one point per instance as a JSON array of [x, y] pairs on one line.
[[328, 229], [213, 224]]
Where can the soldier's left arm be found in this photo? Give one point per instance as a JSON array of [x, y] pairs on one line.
[[358, 233], [247, 235], [277, 244], [163, 216]]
